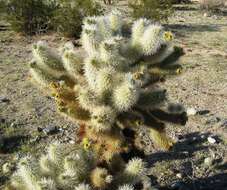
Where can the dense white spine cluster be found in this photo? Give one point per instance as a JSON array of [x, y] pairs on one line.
[[151, 39], [111, 78], [73, 167], [126, 187], [112, 73], [138, 29]]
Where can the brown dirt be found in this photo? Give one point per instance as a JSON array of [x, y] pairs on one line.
[[202, 85]]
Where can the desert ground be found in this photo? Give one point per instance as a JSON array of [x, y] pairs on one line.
[[29, 120]]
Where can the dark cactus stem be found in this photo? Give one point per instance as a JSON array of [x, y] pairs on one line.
[[176, 118], [172, 58]]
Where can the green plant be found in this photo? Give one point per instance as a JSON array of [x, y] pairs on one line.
[[69, 167], [157, 10], [69, 15], [2, 6], [110, 86], [30, 16]]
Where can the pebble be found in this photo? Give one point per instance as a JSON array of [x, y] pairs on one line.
[[179, 175], [39, 129], [224, 123], [203, 112], [72, 142], [3, 99], [179, 186], [50, 130], [205, 14], [65, 126], [191, 111], [211, 140], [13, 124]]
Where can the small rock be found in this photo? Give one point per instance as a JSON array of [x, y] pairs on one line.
[[3, 99], [65, 126], [13, 125], [72, 142], [208, 161], [224, 123], [207, 14], [179, 175], [203, 112], [61, 129], [191, 111], [39, 129], [211, 140], [179, 186], [50, 130]]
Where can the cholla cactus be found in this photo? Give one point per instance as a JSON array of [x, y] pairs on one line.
[[108, 85], [66, 167]]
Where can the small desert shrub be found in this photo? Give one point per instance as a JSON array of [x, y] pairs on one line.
[[30, 16], [68, 17], [152, 9], [211, 4], [2, 6]]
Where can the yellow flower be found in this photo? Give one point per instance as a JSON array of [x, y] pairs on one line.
[[86, 143], [168, 36]]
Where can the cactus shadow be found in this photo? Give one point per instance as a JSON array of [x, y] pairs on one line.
[[3, 180], [216, 182], [186, 7], [222, 167], [12, 144], [185, 148], [188, 28]]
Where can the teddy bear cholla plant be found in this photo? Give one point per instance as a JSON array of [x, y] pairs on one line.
[[70, 167], [108, 86]]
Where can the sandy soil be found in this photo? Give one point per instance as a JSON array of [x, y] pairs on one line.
[[24, 109]]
